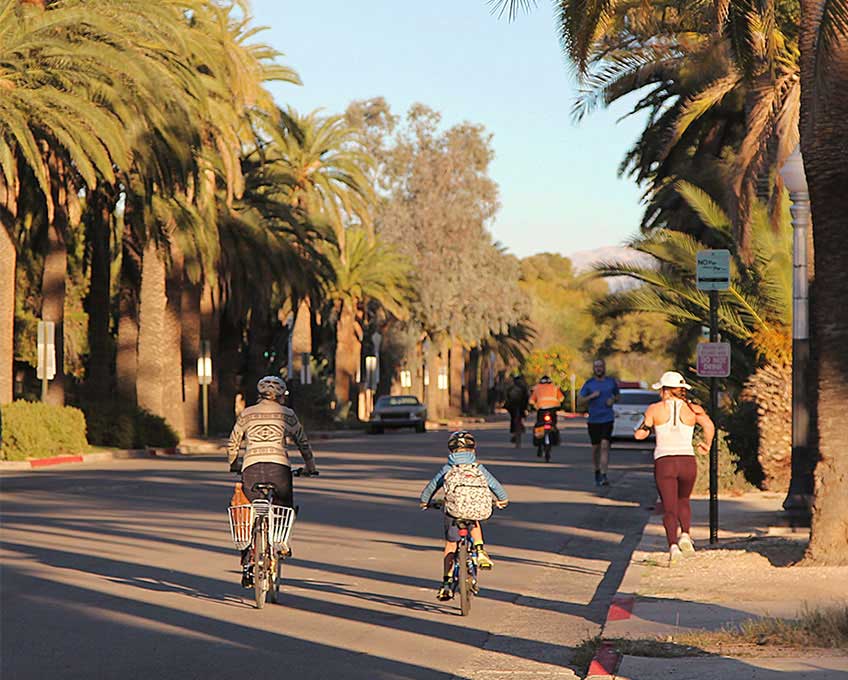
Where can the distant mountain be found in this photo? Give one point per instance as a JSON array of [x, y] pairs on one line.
[[583, 260]]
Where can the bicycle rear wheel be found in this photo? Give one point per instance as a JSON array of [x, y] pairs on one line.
[[464, 580], [260, 564]]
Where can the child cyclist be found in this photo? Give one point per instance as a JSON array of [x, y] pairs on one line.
[[462, 447]]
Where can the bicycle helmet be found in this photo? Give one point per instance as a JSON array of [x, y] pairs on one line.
[[461, 440], [546, 380], [272, 387]]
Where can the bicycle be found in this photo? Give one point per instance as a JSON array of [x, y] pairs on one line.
[[464, 577], [266, 527]]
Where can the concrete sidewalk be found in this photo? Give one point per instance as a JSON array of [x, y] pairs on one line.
[[748, 574]]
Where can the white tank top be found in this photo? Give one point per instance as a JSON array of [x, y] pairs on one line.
[[674, 437]]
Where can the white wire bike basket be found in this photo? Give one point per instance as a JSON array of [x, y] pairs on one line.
[[280, 523], [241, 525]]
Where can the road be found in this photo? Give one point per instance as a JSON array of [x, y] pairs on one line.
[[126, 570]]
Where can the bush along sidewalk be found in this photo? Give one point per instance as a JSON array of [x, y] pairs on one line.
[[125, 426], [37, 430]]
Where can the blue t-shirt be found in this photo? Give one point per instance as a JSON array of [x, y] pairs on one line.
[[599, 412]]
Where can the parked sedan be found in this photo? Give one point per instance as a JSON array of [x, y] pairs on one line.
[[398, 411], [629, 411]]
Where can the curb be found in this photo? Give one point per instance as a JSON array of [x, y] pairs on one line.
[[606, 661], [99, 457]]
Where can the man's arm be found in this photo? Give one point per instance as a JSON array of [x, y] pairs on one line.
[[235, 441], [295, 430], [433, 485]]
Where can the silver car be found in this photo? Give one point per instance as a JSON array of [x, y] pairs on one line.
[[398, 411], [630, 409]]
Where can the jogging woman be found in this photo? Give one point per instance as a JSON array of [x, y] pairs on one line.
[[673, 420]]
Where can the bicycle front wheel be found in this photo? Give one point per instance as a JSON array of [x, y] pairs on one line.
[[464, 580], [260, 565]]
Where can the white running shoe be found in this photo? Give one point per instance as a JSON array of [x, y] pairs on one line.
[[674, 555], [686, 545]]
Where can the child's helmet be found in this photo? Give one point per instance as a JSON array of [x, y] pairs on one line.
[[461, 440]]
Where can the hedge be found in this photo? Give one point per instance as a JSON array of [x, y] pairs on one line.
[[37, 430], [125, 426]]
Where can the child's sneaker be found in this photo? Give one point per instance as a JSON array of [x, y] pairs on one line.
[[445, 592], [686, 545], [483, 559]]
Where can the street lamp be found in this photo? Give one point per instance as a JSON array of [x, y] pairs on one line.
[[801, 484]]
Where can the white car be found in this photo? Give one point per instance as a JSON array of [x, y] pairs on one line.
[[630, 409]]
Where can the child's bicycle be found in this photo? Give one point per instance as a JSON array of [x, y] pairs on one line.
[[464, 577], [266, 527]]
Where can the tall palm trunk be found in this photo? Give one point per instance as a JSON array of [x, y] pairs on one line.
[[348, 353], [260, 335], [99, 369], [53, 301], [126, 356], [457, 374], [824, 129], [172, 366], [191, 336], [301, 335], [228, 367], [473, 378], [152, 343], [8, 263]]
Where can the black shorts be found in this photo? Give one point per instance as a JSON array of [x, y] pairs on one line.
[[599, 431], [451, 530]]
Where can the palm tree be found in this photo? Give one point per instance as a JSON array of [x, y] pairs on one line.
[[824, 128], [365, 269], [754, 314]]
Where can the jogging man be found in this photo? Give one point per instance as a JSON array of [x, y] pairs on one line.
[[600, 392]]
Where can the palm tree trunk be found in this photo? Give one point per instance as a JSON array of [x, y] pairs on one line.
[[98, 371], [8, 263], [152, 344], [474, 379], [191, 337], [456, 373], [173, 396], [53, 301], [228, 368], [824, 129], [259, 342], [301, 335], [348, 353], [126, 356]]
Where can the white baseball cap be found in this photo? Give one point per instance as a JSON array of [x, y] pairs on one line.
[[671, 379]]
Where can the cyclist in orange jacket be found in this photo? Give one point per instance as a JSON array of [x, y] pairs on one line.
[[547, 398]]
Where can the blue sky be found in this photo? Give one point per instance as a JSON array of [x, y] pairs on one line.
[[558, 182]]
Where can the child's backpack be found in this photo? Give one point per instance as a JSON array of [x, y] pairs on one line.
[[467, 494]]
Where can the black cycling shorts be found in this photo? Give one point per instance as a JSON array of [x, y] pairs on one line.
[[599, 431], [277, 474]]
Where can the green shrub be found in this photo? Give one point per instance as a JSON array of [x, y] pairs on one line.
[[731, 478], [37, 430], [125, 426]]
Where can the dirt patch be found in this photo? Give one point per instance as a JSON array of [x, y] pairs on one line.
[[752, 569]]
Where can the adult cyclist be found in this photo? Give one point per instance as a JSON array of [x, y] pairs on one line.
[[547, 398], [264, 427]]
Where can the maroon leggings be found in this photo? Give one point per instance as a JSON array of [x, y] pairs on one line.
[[675, 477]]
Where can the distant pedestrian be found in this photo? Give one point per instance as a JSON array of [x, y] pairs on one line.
[[600, 392], [673, 420], [516, 400]]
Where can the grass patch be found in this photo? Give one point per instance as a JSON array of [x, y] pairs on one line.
[[821, 628], [584, 653]]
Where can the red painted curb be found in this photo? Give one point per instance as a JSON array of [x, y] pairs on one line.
[[620, 609], [605, 661], [43, 462]]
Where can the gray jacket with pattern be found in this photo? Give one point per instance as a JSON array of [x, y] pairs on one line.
[[264, 427]]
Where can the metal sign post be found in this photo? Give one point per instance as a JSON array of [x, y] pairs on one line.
[[204, 377], [46, 369], [712, 273]]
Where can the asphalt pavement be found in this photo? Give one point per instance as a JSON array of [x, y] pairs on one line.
[[125, 569]]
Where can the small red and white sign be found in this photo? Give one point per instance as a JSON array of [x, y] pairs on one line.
[[714, 359]]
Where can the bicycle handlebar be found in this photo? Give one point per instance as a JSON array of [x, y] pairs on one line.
[[303, 472]]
